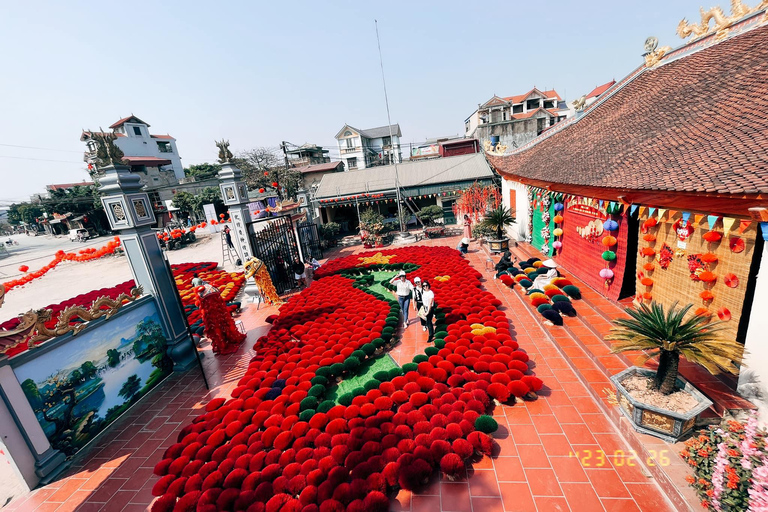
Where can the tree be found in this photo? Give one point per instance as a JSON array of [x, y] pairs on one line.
[[113, 357], [264, 166], [88, 369], [78, 199], [209, 195], [130, 387], [24, 213], [202, 171], [670, 335], [75, 377], [184, 201], [32, 393], [429, 214]]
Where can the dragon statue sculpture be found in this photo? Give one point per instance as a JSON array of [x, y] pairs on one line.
[[722, 22], [579, 104], [107, 153], [499, 149], [256, 269], [225, 155], [33, 329]]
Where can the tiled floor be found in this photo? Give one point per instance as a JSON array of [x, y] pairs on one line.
[[558, 453]]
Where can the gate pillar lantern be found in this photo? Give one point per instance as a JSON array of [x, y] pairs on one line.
[[130, 212], [234, 192]]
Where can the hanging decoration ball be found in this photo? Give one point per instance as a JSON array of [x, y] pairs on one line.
[[609, 241], [221, 215], [737, 244], [606, 273], [558, 219], [707, 295], [23, 268], [724, 314], [610, 225], [261, 191], [707, 277], [266, 173], [274, 184], [646, 281], [609, 255], [730, 280], [649, 237], [557, 244], [558, 207], [557, 232]]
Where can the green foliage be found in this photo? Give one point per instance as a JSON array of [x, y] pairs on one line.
[[351, 364], [337, 369], [306, 415], [429, 214], [486, 424], [669, 335], [329, 230], [202, 172], [113, 357], [498, 219], [184, 201], [420, 358], [325, 371], [24, 213], [129, 388], [381, 376], [439, 343], [371, 221], [369, 349], [431, 351], [371, 384], [395, 372], [410, 367], [346, 399], [358, 391], [359, 354]]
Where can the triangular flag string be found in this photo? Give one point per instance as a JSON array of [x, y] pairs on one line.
[[662, 211], [744, 225], [686, 216], [642, 210], [728, 223], [697, 219], [632, 209], [711, 221], [651, 210], [672, 214]]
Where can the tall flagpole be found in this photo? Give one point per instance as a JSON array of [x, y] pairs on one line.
[[391, 137]]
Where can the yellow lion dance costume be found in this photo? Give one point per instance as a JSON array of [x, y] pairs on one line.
[[256, 269]]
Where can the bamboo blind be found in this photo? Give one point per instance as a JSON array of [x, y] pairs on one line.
[[674, 284]]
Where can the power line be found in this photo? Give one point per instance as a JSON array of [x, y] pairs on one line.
[[43, 149], [41, 159]]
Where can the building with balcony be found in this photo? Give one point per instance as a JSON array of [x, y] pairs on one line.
[[140, 147], [360, 149], [307, 154], [514, 120]]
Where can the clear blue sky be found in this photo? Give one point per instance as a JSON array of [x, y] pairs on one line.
[[295, 71]]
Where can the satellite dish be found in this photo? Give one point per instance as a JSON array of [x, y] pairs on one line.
[[651, 43]]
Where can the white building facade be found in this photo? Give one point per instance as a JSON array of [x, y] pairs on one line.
[[360, 149], [134, 139]]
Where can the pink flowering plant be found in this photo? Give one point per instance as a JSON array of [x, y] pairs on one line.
[[730, 466]]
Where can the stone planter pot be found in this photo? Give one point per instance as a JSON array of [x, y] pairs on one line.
[[667, 425], [499, 245]]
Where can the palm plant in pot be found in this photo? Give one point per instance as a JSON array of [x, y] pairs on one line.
[[670, 335], [497, 220]]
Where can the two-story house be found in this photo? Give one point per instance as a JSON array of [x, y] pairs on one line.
[[367, 148], [515, 120], [307, 154], [154, 157]]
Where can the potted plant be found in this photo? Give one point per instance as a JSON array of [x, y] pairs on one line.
[[328, 233], [371, 228], [647, 397], [497, 220], [428, 215]]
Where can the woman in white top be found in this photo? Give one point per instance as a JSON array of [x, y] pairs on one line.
[[403, 290], [428, 301], [544, 279]]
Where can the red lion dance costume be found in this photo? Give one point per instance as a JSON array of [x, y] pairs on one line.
[[219, 326]]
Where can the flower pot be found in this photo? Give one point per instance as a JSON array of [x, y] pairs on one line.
[[499, 245], [667, 425]]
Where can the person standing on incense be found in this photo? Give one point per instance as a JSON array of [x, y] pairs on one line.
[[467, 228], [220, 328]]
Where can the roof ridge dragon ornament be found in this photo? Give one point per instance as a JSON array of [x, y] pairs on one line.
[[722, 22], [497, 150]]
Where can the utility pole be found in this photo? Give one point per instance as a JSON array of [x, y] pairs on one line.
[[284, 147]]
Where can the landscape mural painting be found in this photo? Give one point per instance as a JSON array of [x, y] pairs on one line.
[[80, 387]]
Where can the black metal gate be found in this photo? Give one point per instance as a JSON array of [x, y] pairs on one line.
[[310, 241], [275, 245]]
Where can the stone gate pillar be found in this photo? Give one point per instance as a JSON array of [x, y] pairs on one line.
[[130, 212], [234, 193]]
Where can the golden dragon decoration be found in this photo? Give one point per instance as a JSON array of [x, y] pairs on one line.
[[722, 22], [32, 327]]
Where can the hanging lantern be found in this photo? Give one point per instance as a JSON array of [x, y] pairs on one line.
[[610, 225], [557, 232], [557, 244], [609, 255], [274, 184], [261, 191], [558, 207], [266, 173], [558, 219], [606, 273], [609, 241]]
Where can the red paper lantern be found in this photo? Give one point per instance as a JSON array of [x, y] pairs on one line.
[[23, 268], [712, 236], [261, 191], [274, 184]]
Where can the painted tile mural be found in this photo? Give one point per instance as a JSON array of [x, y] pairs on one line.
[[80, 387]]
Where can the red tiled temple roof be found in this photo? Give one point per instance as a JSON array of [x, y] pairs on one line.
[[693, 125]]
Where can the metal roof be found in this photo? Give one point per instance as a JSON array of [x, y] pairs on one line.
[[412, 174]]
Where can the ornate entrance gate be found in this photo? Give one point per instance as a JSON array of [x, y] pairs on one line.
[[310, 241], [274, 243]]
